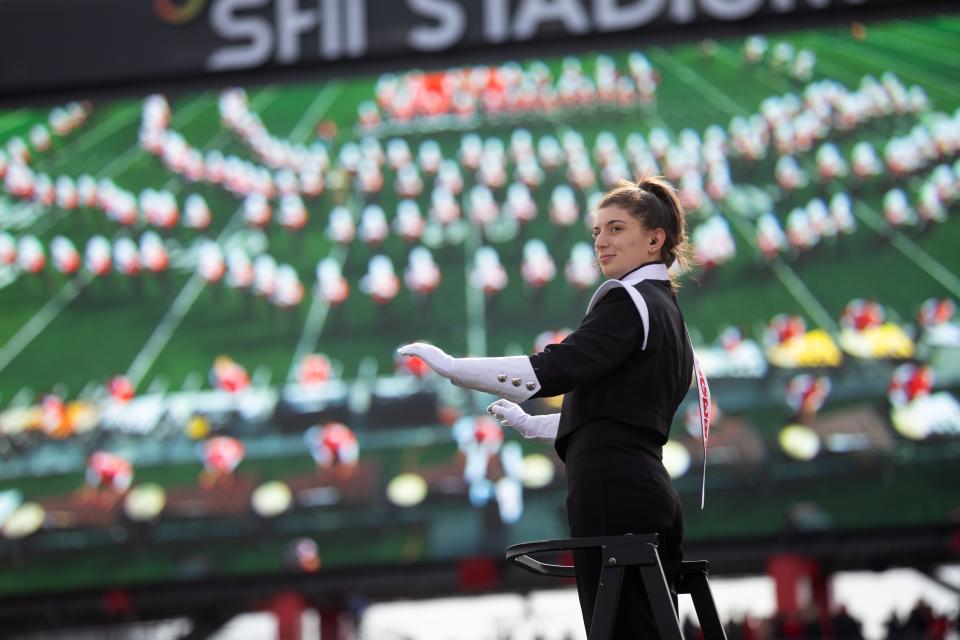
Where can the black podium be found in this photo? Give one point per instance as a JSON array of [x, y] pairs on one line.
[[617, 553]]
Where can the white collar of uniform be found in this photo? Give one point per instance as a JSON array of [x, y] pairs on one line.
[[655, 271]]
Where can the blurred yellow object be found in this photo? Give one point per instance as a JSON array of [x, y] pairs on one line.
[[554, 402], [198, 428], [800, 442], [81, 416], [813, 349], [886, 341], [20, 419]]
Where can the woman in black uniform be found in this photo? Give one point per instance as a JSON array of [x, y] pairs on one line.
[[624, 372]]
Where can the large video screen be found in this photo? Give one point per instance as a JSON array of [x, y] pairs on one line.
[[202, 295]]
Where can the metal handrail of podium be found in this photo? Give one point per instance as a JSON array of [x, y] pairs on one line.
[[617, 553]]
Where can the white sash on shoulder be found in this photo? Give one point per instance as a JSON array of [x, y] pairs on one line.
[[659, 272]]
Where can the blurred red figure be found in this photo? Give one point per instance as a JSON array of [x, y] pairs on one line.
[[411, 365], [486, 434], [549, 337], [784, 327], [861, 314], [910, 382], [315, 369], [120, 388], [936, 311], [229, 376], [108, 477], [52, 414], [66, 259], [806, 394], [221, 455], [333, 446]]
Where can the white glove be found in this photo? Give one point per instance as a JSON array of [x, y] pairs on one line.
[[511, 415], [510, 377], [435, 358]]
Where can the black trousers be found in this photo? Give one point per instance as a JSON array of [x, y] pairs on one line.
[[617, 484]]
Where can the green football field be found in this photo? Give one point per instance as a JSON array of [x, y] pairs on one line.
[[69, 335]]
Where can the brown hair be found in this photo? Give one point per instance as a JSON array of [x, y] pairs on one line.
[[655, 202]]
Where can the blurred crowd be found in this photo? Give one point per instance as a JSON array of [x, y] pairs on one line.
[[921, 622]]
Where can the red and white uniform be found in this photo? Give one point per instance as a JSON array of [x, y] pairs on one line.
[[860, 315], [581, 269], [488, 274], [422, 275], [239, 266], [936, 311], [784, 327], [408, 183], [155, 256], [210, 263], [841, 212], [8, 249], [471, 151], [126, 257], [314, 370], [789, 174], [479, 438], [444, 208], [537, 266], [897, 209], [865, 162], [830, 164], [53, 413], [341, 228], [30, 255], [293, 213], [196, 212], [331, 285], [109, 470], [411, 365], [381, 282], [373, 225], [332, 445], [520, 204], [66, 193], [546, 338], [121, 388], [87, 190], [450, 177], [398, 153], [409, 223], [770, 237], [564, 210], [264, 275], [97, 256], [529, 172], [229, 376], [66, 259], [910, 382], [222, 454], [806, 394], [483, 207], [800, 232], [369, 177], [289, 290], [256, 210]]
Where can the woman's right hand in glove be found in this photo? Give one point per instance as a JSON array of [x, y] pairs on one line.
[[511, 415]]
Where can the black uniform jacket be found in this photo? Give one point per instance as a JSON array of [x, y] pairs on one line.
[[606, 373]]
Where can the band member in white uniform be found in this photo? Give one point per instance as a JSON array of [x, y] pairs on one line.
[[624, 372]]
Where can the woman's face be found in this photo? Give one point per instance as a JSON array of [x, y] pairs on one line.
[[622, 243]]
